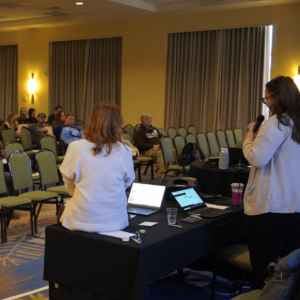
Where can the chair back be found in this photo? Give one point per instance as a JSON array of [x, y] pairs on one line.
[[8, 136], [162, 132], [237, 135], [79, 122], [202, 142], [12, 146], [46, 161], [137, 126], [182, 132], [166, 147], [230, 138], [129, 129], [190, 138], [172, 132], [179, 144], [26, 139], [212, 141], [127, 136], [20, 169], [49, 142], [3, 187], [221, 139], [80, 126], [192, 130]]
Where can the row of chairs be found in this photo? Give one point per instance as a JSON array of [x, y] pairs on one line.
[[19, 164]]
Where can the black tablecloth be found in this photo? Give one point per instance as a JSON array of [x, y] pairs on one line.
[[215, 180], [108, 266]]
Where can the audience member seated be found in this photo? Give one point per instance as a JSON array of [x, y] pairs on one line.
[[147, 139], [38, 130], [12, 123], [59, 119], [51, 118], [67, 132], [32, 119], [96, 171], [23, 116]]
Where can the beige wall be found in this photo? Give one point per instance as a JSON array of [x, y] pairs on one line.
[[144, 51]]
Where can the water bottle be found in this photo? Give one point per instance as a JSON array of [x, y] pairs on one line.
[[197, 156]]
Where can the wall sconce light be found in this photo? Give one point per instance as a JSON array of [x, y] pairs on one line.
[[32, 87], [297, 78]]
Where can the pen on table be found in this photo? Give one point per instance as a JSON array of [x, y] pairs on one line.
[[175, 225]]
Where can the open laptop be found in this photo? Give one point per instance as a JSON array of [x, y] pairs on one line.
[[192, 204], [236, 155], [145, 199]]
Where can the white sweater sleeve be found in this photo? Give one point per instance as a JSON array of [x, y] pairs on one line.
[[270, 137]]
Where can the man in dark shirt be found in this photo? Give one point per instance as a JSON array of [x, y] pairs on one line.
[[147, 139], [51, 118], [38, 130]]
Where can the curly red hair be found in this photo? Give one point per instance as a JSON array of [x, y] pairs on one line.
[[104, 126]]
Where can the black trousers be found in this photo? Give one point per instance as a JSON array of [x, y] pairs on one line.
[[270, 236]]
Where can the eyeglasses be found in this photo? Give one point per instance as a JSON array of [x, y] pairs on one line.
[[264, 100]]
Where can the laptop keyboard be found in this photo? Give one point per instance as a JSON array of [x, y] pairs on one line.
[[140, 210]]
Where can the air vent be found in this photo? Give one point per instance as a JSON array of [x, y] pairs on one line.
[[9, 5]]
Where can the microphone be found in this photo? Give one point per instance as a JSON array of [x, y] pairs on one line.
[[259, 120]]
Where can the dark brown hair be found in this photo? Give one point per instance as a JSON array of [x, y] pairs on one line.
[[104, 126], [287, 106], [57, 119]]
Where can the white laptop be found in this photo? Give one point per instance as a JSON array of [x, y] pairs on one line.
[[145, 199]]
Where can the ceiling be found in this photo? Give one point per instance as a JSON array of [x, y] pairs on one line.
[[24, 14]]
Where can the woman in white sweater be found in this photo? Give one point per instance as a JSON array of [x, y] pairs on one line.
[[96, 171], [272, 196]]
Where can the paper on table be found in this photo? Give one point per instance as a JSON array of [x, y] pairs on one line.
[[148, 223], [216, 206], [4, 161], [119, 234]]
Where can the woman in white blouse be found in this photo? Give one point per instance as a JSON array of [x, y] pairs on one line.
[[96, 171]]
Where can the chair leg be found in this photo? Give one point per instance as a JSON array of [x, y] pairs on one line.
[[139, 173], [213, 283], [163, 180], [9, 215], [2, 226], [35, 217], [31, 217], [152, 170], [146, 169]]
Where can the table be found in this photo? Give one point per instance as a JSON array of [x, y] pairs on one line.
[[215, 180], [102, 265]]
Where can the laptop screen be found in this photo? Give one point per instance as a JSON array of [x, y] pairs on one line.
[[188, 198], [146, 194]]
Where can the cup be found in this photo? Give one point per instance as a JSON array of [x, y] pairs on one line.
[[237, 193], [172, 215]]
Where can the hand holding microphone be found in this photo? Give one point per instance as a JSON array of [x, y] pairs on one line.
[[252, 128]]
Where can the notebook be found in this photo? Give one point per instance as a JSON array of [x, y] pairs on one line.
[[191, 203], [145, 199]]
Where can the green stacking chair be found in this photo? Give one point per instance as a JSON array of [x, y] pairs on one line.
[[137, 126], [230, 138], [192, 130], [221, 139], [26, 141], [212, 141], [81, 127], [12, 146], [79, 122], [172, 132], [130, 129], [236, 255], [190, 138], [166, 147], [182, 131], [9, 204], [238, 135], [46, 161], [179, 143], [136, 162], [20, 169], [202, 142], [8, 135], [162, 132], [49, 142]]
